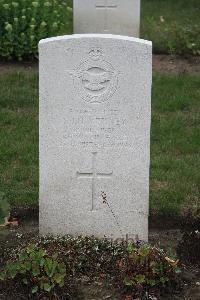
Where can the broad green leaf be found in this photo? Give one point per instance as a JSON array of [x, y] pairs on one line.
[[144, 250], [131, 248], [35, 272], [47, 287], [58, 278], [151, 282], [27, 265], [140, 278], [177, 270], [62, 268], [2, 275], [42, 261], [164, 279], [34, 289], [128, 281]]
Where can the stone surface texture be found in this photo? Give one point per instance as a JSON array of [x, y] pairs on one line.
[[107, 16], [95, 112]]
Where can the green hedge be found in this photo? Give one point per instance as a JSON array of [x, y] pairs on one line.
[[173, 26], [24, 22]]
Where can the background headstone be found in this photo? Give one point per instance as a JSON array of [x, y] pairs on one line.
[[95, 112], [107, 16]]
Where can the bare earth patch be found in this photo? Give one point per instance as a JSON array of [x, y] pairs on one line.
[[167, 64], [10, 67]]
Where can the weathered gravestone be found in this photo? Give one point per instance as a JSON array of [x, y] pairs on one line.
[[95, 104], [107, 16]]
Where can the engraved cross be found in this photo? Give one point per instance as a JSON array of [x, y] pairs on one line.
[[94, 175], [106, 6]]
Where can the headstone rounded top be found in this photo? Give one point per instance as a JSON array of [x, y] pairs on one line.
[[98, 36]]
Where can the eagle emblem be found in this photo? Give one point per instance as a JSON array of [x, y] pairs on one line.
[[95, 79]]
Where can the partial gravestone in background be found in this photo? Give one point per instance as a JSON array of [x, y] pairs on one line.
[[95, 112], [107, 16]]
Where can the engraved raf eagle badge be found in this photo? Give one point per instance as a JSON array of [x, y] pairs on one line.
[[95, 79]]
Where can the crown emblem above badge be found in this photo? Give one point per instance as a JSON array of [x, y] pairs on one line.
[[95, 54]]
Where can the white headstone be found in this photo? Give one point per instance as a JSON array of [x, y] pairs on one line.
[[107, 16], [95, 111]]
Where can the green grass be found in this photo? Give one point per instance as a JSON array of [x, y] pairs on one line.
[[182, 11], [19, 138], [175, 141], [175, 144]]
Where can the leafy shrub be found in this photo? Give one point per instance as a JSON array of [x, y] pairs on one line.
[[172, 38], [39, 271], [24, 22], [146, 267]]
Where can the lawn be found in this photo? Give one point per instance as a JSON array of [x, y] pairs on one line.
[[19, 138], [175, 144], [175, 141]]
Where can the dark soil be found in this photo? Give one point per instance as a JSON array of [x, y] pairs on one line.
[[14, 66], [167, 64], [95, 289], [164, 64]]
